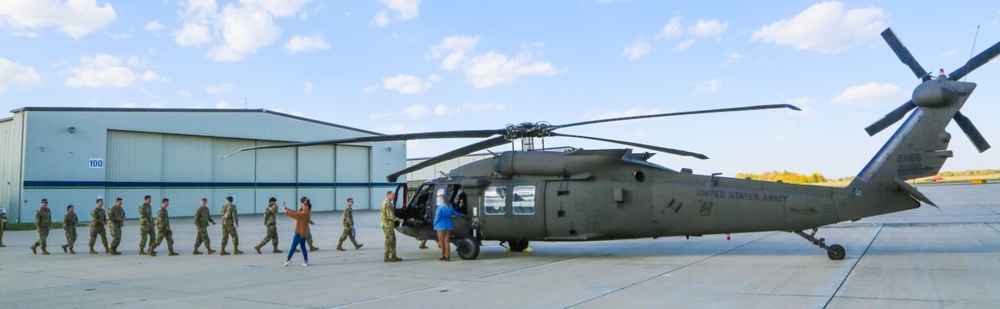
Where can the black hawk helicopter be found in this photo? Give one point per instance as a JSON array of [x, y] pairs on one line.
[[605, 194]]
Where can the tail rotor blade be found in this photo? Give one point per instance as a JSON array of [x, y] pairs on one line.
[[903, 53], [890, 118], [970, 130], [976, 62]]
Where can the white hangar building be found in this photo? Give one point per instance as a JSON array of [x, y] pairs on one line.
[[73, 155]]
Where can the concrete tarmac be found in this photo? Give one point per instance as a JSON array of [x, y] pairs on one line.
[[923, 258]]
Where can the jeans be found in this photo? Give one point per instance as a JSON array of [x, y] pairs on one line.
[[297, 240]]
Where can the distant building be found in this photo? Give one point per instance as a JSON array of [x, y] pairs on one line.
[[72, 155]]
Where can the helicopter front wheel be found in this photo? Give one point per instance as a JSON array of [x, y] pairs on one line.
[[468, 248]]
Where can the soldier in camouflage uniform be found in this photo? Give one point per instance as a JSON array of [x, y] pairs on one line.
[[348, 227], [163, 230], [98, 219], [43, 220], [388, 223], [230, 221], [146, 229], [117, 217], [69, 225], [201, 219], [272, 227]]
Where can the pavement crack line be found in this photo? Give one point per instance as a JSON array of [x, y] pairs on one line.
[[669, 271], [851, 271]]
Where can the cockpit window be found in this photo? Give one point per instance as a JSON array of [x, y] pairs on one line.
[[494, 199], [524, 200]]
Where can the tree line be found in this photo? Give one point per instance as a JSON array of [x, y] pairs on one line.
[[793, 177]]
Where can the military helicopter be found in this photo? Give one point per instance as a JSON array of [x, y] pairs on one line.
[[607, 194]]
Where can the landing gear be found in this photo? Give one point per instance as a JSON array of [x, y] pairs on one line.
[[468, 248], [834, 252], [518, 245]]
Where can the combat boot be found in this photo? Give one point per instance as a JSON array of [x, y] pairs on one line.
[[257, 247], [196, 252], [33, 249], [358, 246], [237, 250], [172, 253], [114, 250], [64, 248], [71, 250], [311, 249], [107, 250], [340, 247], [92, 250], [210, 251], [151, 252], [224, 252], [44, 252], [142, 251], [276, 249]]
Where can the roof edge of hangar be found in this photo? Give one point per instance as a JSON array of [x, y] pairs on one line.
[[197, 110]]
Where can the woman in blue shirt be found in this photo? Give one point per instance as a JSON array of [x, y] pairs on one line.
[[442, 224]]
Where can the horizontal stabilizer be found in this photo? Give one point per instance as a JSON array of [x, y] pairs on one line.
[[905, 187]]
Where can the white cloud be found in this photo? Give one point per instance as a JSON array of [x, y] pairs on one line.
[[672, 29], [74, 18], [405, 10], [406, 84], [733, 58], [638, 49], [489, 69], [868, 94], [236, 31], [154, 26], [380, 116], [14, 74], [224, 104], [825, 27], [370, 89], [301, 44], [708, 28], [453, 50], [708, 86], [950, 52], [110, 71], [415, 111], [381, 19], [684, 44], [184, 93], [308, 87], [218, 88], [444, 110]]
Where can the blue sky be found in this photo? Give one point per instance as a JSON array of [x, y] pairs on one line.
[[396, 66]]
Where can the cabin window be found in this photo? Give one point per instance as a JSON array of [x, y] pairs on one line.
[[494, 199], [524, 200]]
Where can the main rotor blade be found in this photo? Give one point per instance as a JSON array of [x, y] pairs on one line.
[[708, 111], [645, 146], [976, 62], [381, 138], [970, 130], [903, 53], [890, 118], [486, 144]]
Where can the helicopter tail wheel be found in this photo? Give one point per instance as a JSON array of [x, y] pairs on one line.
[[518, 245], [834, 252], [468, 248]]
